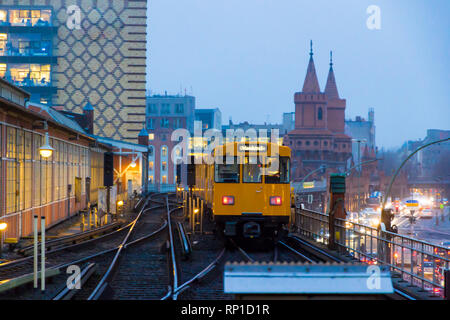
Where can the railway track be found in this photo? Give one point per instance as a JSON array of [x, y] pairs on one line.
[[66, 249], [154, 261], [97, 250]]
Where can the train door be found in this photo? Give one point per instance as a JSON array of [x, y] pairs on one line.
[[251, 195]]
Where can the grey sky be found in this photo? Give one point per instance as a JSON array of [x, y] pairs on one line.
[[248, 57]]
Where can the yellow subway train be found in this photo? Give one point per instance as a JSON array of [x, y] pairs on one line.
[[246, 189]]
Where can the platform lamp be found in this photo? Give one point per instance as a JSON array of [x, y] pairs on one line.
[[46, 150], [3, 226]]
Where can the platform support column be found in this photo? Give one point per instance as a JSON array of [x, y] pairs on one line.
[[337, 209]]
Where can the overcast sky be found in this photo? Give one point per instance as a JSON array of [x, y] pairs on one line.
[[248, 57]]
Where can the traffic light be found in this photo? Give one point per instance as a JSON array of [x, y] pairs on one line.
[[108, 169]]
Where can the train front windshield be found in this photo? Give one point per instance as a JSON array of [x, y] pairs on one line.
[[227, 172], [277, 172]]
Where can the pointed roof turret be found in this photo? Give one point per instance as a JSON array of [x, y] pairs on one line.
[[143, 133], [331, 88], [88, 107], [311, 84]]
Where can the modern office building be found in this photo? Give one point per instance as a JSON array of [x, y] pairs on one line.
[[27, 58], [72, 52], [165, 114]]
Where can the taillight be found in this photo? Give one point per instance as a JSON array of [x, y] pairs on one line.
[[228, 200], [275, 201]]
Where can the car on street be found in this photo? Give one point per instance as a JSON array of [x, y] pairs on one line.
[[426, 213]]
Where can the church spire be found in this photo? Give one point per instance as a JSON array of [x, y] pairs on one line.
[[311, 84], [331, 88]]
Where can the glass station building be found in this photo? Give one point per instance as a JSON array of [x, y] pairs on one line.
[[26, 50]]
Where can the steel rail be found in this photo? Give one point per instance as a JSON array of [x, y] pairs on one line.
[[66, 293], [322, 252], [104, 252], [103, 283], [112, 266], [172, 250], [296, 252], [74, 237], [398, 291], [242, 251], [79, 244], [199, 275]]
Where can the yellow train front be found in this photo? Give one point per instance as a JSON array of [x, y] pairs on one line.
[[248, 192]]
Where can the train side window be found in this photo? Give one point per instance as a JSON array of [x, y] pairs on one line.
[[227, 172], [280, 174], [251, 170]]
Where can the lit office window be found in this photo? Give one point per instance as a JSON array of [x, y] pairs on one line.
[[3, 44], [151, 136], [150, 166], [2, 69], [30, 75], [29, 18], [164, 179], [164, 166], [164, 151], [20, 18], [3, 17]]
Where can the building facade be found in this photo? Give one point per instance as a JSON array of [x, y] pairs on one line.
[[165, 114], [208, 119], [364, 131], [319, 137], [55, 187], [263, 132], [72, 52]]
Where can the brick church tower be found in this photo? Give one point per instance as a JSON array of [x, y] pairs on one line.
[[318, 138]]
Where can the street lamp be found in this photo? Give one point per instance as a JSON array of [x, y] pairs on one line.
[[3, 226], [46, 150], [403, 163], [359, 141]]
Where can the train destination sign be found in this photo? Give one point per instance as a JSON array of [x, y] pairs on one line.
[[252, 148]]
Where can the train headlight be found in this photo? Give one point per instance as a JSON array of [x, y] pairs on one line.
[[275, 201], [228, 200]]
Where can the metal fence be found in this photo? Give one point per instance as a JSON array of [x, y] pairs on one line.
[[418, 262]]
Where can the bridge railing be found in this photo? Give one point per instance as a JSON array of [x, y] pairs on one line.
[[418, 262]]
